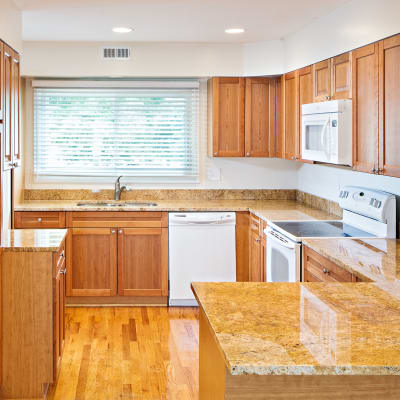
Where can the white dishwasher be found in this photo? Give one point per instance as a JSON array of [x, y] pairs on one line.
[[202, 248]]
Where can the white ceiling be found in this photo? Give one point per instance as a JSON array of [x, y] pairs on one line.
[[168, 20]]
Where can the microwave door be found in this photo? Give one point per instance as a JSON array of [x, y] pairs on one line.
[[315, 142]]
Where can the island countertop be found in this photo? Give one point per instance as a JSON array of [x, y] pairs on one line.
[[303, 328], [32, 239]]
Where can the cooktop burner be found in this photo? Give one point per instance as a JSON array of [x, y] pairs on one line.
[[311, 229]]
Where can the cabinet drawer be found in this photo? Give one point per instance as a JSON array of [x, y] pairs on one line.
[[39, 220], [322, 269], [119, 219]]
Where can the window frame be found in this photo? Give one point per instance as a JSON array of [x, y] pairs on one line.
[[71, 179]]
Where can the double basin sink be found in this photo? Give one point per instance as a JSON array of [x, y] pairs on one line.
[[116, 204]]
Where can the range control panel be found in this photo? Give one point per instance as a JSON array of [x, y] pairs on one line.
[[368, 202]]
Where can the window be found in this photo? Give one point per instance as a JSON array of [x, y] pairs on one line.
[[100, 129]]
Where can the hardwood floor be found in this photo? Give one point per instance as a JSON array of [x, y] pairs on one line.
[[141, 353]]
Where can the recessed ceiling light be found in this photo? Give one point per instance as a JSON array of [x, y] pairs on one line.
[[121, 29], [234, 30]]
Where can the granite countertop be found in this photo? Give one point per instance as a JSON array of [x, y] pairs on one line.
[[268, 210], [304, 328], [32, 239], [376, 260]]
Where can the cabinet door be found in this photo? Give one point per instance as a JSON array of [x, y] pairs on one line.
[[341, 76], [259, 117], [1, 81], [291, 111], [305, 78], [389, 106], [7, 107], [263, 253], [59, 320], [365, 81], [227, 117], [256, 274], [143, 262], [92, 262], [279, 148], [322, 80], [16, 110]]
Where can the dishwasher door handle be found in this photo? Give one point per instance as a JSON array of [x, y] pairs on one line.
[[275, 236]]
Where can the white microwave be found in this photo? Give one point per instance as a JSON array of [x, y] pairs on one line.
[[326, 132]]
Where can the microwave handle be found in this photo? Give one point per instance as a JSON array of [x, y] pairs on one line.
[[323, 134]]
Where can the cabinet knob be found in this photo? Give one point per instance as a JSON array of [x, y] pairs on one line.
[[121, 231], [325, 271], [215, 154], [113, 230], [380, 170], [373, 170], [258, 240], [39, 219], [294, 158], [247, 154]]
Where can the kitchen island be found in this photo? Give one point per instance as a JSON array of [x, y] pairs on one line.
[[298, 341]]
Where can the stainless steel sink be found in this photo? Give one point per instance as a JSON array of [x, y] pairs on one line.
[[121, 204]]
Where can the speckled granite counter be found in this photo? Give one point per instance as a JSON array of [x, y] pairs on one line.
[[377, 260], [269, 210], [303, 329], [28, 240]]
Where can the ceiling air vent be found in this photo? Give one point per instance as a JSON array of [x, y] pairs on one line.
[[116, 53]]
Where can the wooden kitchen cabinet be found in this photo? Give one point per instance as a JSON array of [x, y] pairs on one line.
[[389, 106], [11, 105], [143, 262], [226, 109], [117, 254], [33, 318], [317, 268], [365, 83], [39, 219], [322, 80], [291, 116], [92, 262], [341, 77], [260, 117], [257, 250], [1, 81]]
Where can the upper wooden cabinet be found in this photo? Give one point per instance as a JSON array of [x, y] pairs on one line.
[[365, 82], [332, 78], [389, 106], [241, 114], [291, 115], [259, 117], [11, 104], [341, 77], [226, 117], [322, 80]]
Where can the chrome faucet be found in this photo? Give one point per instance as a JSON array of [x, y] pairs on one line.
[[119, 189]]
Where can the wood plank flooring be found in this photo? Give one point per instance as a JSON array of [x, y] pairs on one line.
[[140, 353]]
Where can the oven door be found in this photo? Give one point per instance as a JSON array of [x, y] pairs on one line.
[[316, 137], [283, 258]]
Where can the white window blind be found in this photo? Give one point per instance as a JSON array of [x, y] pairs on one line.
[[105, 131]]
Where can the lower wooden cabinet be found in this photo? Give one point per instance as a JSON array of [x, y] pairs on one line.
[[257, 250], [126, 260], [317, 268], [92, 262], [33, 321], [143, 262]]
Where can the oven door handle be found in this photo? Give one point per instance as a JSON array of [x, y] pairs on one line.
[[276, 237]]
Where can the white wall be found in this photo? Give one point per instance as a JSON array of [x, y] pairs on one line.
[[77, 59], [11, 24], [355, 24], [326, 181], [264, 58]]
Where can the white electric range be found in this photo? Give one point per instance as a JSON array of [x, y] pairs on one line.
[[367, 213]]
